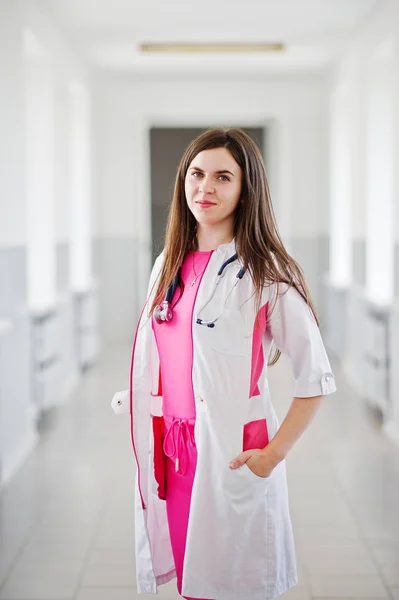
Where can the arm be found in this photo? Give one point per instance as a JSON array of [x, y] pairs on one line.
[[263, 461], [297, 419], [295, 332]]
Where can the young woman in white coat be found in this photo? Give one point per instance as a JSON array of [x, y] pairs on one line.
[[225, 299]]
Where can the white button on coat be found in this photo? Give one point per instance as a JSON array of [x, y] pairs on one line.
[[121, 402]]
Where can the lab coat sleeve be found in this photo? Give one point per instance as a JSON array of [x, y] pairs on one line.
[[296, 334]]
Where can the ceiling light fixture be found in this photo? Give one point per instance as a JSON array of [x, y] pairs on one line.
[[212, 47]]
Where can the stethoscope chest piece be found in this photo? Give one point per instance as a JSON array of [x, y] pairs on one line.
[[163, 312]]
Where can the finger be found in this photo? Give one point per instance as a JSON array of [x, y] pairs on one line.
[[240, 459]]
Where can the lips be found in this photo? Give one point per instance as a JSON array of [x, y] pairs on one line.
[[205, 203]]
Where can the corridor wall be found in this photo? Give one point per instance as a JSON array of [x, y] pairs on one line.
[[363, 296], [39, 365]]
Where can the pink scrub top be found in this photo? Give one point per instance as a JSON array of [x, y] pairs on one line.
[[175, 342]]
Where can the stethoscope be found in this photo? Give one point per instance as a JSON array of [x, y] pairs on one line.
[[164, 311]]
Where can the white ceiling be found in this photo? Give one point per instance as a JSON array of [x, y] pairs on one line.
[[108, 31]]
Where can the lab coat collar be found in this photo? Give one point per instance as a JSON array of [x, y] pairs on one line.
[[227, 250]]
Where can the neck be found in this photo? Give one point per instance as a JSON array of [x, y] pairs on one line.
[[210, 238]]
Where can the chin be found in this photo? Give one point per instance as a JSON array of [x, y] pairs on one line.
[[204, 220]]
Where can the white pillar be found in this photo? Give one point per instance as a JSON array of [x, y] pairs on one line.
[[39, 177], [380, 177], [80, 188], [341, 190]]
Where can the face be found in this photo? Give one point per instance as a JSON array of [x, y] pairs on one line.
[[213, 187]]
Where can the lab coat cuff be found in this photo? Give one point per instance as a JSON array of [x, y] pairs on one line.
[[156, 403], [323, 387]]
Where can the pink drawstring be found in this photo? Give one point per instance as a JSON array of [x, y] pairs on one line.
[[179, 435]]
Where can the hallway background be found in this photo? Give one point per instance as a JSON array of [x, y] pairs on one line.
[[91, 127]]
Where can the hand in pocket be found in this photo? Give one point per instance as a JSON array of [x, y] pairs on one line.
[[258, 461]]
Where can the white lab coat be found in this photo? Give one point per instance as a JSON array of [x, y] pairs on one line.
[[239, 539]]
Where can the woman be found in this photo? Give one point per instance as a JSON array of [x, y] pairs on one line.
[[211, 502]]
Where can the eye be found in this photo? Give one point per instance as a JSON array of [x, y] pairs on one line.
[[224, 178], [195, 173]]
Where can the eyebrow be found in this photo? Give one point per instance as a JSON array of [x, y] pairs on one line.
[[217, 172]]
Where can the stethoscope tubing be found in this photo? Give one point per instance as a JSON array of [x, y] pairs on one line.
[[239, 276], [166, 309], [172, 288]]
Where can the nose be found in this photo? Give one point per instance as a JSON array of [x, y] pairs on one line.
[[206, 186]]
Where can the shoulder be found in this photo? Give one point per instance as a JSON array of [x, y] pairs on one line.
[[276, 290], [157, 266], [285, 300]]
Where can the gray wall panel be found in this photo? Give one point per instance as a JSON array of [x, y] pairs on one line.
[[336, 320], [17, 431], [96, 257], [312, 254], [116, 261], [62, 266], [13, 287], [359, 261]]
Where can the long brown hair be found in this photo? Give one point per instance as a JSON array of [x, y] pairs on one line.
[[258, 243]]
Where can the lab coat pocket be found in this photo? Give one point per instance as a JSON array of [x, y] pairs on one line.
[[231, 335], [243, 487], [255, 437], [253, 476]]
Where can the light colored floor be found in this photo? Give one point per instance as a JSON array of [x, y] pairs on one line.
[[66, 522]]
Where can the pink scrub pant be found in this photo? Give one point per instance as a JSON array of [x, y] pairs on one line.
[[179, 443]]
